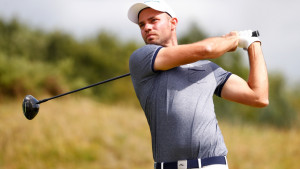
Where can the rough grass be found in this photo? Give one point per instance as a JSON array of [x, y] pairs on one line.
[[73, 133]]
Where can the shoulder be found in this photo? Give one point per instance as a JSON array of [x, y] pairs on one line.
[[146, 50], [144, 56], [141, 61]]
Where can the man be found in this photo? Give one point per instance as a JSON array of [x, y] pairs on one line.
[[175, 86]]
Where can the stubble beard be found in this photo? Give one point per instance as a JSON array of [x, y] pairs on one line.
[[157, 41]]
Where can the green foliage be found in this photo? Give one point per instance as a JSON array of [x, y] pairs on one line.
[[38, 63], [51, 63], [280, 112], [194, 34], [20, 76]]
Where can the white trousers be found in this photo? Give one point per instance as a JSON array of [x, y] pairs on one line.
[[217, 166]]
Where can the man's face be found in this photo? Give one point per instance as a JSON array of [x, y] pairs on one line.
[[155, 27]]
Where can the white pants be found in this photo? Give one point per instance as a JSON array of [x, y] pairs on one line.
[[217, 166]]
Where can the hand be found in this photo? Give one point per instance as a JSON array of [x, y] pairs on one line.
[[246, 39]]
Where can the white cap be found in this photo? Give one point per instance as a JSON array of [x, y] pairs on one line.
[[158, 5]]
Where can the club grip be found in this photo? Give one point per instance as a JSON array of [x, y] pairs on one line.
[[255, 34]]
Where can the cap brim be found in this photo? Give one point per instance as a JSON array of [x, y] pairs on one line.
[[134, 11]]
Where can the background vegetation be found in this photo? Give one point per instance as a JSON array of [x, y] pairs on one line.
[[103, 127]]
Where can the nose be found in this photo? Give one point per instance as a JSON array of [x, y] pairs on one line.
[[148, 27]]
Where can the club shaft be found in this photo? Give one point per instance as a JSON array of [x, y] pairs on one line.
[[254, 34], [96, 84]]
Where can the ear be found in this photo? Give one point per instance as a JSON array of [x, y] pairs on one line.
[[174, 22]]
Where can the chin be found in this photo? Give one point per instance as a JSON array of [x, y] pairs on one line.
[[153, 43]]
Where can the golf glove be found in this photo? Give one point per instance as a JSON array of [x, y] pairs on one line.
[[246, 39]]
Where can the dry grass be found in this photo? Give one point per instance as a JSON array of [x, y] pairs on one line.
[[80, 133], [262, 147]]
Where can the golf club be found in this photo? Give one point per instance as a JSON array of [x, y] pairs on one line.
[[255, 33], [31, 105]]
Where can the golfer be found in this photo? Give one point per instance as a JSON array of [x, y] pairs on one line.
[[175, 85]]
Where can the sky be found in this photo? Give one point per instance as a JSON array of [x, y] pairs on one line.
[[277, 21]]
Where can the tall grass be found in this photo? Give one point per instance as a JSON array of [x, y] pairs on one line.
[[76, 133], [261, 147]]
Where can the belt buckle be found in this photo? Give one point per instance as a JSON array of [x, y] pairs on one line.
[[182, 164], [199, 163]]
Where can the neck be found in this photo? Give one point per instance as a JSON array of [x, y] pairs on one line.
[[173, 41]]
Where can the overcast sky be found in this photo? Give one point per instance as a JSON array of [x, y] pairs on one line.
[[278, 21]]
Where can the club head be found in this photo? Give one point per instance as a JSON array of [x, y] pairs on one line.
[[30, 107]]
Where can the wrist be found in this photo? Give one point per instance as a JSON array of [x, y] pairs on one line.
[[232, 40], [254, 45], [246, 39]]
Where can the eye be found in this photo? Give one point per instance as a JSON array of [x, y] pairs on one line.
[[154, 20], [141, 25]]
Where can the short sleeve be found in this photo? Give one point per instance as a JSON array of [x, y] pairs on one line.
[[141, 70], [141, 62], [221, 76]]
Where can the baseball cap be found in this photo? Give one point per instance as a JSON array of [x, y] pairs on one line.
[[158, 5]]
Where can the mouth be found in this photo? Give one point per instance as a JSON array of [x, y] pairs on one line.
[[150, 36], [150, 39]]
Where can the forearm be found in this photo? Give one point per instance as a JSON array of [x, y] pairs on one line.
[[217, 46], [210, 48], [258, 76]]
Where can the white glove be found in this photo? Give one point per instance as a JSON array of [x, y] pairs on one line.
[[246, 39]]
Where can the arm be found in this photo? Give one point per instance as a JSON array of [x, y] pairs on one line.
[[170, 57], [255, 92]]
